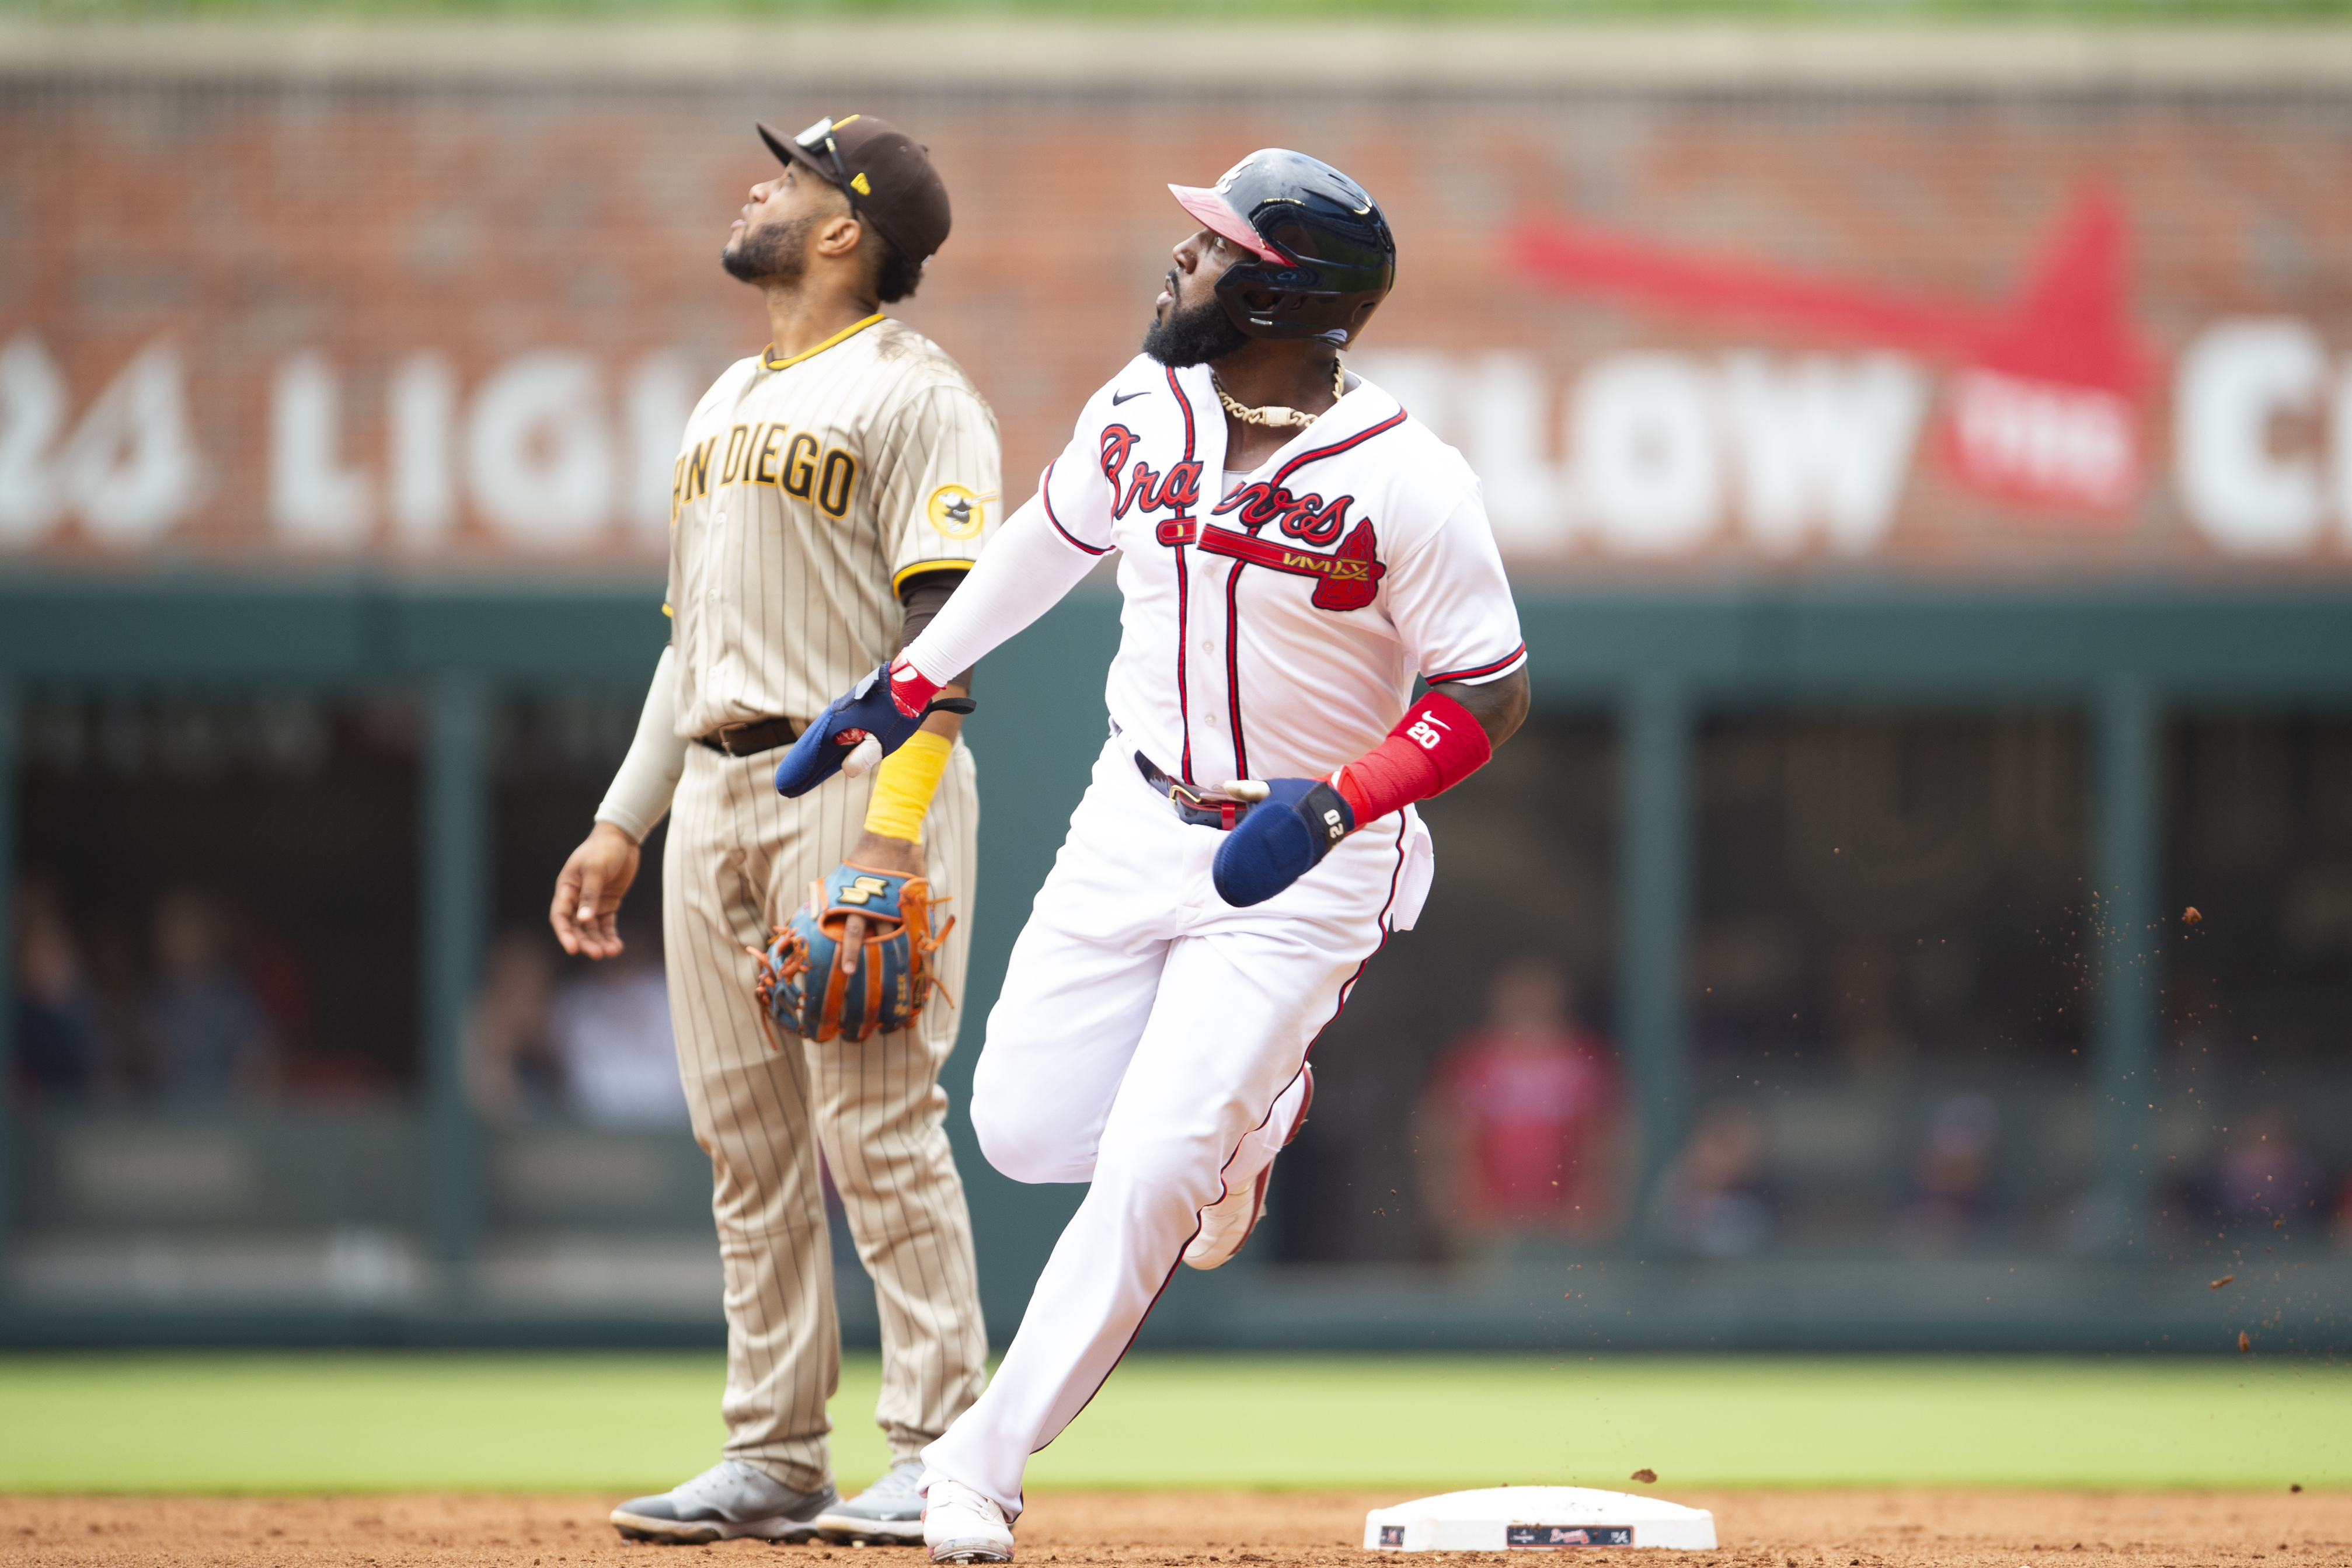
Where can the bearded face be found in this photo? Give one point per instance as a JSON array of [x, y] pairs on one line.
[[1193, 334], [777, 253]]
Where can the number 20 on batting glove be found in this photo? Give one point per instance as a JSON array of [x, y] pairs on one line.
[[886, 707], [1282, 838]]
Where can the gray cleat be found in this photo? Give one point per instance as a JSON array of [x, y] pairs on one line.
[[888, 1514], [726, 1502]]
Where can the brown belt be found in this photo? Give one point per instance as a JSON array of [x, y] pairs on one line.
[[747, 739]]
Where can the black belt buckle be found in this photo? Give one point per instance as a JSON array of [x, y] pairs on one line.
[[1190, 805]]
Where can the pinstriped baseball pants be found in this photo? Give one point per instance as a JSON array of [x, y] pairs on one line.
[[739, 858]]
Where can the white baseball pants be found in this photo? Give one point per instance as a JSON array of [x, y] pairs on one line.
[[1148, 1040]]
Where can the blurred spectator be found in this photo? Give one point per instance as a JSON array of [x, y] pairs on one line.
[[317, 1071], [1713, 1199], [1521, 1116], [1952, 1195], [2264, 1172], [206, 1027], [118, 991], [510, 1064], [280, 982], [610, 1030], [57, 1036]]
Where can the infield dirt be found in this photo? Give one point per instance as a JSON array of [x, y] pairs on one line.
[[1190, 1529]]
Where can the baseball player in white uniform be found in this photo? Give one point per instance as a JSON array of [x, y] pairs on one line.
[[1295, 549], [831, 493]]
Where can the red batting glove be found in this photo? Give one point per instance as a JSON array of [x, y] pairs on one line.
[[910, 689]]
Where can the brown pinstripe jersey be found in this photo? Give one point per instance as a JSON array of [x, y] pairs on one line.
[[806, 492]]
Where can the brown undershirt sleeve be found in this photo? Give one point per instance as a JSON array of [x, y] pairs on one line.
[[923, 597]]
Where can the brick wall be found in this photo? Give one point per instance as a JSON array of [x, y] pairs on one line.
[[1979, 334]]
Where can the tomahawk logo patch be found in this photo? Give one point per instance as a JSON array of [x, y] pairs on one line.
[[1351, 575]]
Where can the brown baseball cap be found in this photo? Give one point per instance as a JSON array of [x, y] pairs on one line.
[[886, 173]]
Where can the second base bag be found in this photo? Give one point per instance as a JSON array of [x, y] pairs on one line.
[[801, 984]]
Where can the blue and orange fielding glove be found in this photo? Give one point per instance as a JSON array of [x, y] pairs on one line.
[[801, 982]]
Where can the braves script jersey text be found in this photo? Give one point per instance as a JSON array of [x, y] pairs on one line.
[[808, 491], [1274, 632]]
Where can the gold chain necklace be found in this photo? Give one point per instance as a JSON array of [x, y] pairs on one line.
[[1275, 414]]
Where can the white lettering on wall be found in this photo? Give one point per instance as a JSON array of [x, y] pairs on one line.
[[32, 417], [1811, 450], [2071, 442], [1821, 443], [1644, 461], [535, 449], [316, 500], [422, 412], [1657, 453], [2237, 381], [132, 467], [130, 470], [538, 451]]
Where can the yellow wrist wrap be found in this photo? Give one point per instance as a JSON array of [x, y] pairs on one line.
[[904, 784]]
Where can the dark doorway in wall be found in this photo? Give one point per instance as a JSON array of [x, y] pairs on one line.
[[2255, 1075], [223, 893], [1386, 1168], [1888, 995]]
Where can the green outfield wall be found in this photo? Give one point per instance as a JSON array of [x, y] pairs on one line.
[[1656, 663]]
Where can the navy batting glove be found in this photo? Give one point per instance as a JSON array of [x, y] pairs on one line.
[[1281, 839], [868, 710]]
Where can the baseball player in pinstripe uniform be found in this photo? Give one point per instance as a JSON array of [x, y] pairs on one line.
[[830, 494]]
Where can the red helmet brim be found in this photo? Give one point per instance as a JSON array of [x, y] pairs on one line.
[[1215, 213]]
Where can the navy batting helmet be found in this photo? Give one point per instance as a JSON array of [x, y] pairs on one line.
[[1322, 258]]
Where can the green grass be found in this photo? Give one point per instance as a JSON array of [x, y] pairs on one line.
[[623, 1423]]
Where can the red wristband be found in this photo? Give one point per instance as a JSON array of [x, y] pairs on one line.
[[1433, 747], [910, 689]]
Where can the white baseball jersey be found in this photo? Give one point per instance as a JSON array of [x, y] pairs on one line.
[[1275, 632], [1150, 1038], [808, 490]]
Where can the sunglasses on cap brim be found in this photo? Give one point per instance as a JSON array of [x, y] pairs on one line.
[[819, 138]]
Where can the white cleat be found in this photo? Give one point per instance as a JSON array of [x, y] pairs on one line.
[[1226, 1224], [961, 1526]]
